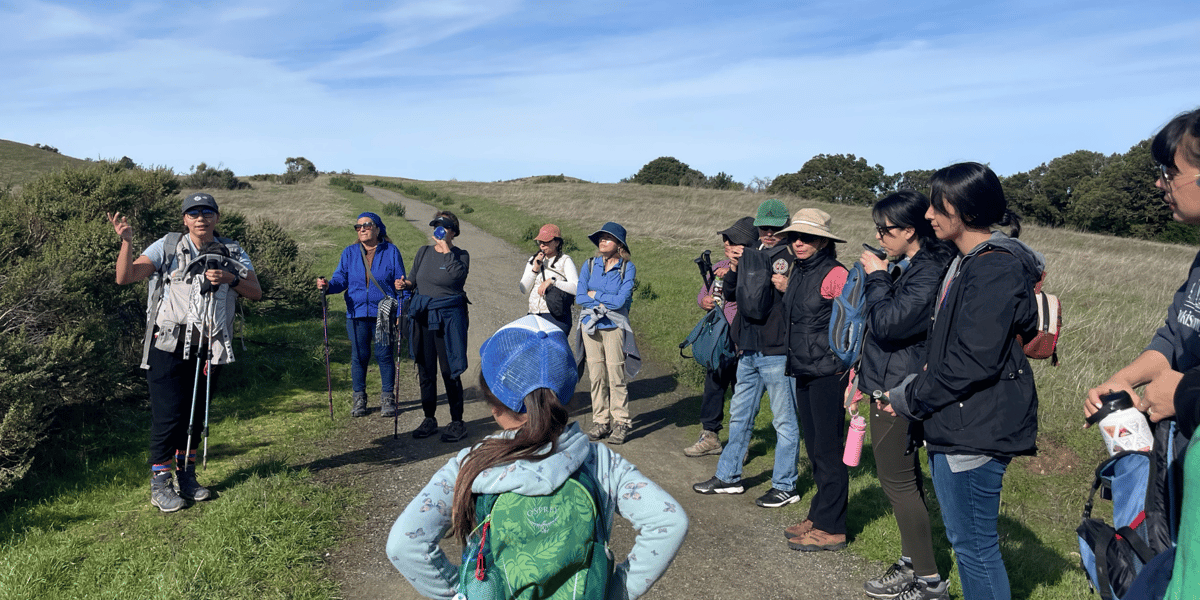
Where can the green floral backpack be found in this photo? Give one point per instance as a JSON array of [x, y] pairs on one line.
[[538, 547]]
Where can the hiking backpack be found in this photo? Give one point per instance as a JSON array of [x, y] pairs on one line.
[[539, 547], [711, 345], [1144, 489], [755, 292], [1045, 343], [847, 323]]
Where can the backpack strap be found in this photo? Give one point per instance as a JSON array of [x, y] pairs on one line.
[[154, 293], [367, 268]]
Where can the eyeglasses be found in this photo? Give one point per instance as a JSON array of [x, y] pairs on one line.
[[1169, 178], [196, 213], [808, 238], [771, 231], [883, 230], [363, 226]]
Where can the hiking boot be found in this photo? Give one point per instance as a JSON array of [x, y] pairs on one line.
[[189, 488], [620, 431], [427, 428], [455, 431], [816, 540], [387, 404], [894, 581], [776, 498], [798, 529], [717, 486], [920, 590], [359, 409], [707, 444], [599, 431], [162, 493]]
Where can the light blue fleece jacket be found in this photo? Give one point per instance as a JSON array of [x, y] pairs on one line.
[[660, 521]]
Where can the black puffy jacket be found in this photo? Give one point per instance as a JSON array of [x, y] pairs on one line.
[[898, 318], [976, 394], [806, 314]]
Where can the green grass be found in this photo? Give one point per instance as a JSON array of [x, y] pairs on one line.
[[20, 163], [87, 530], [1115, 293]]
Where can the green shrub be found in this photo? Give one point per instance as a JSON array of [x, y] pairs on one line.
[[466, 209], [551, 179], [298, 169], [206, 177], [394, 209], [346, 183], [69, 335]]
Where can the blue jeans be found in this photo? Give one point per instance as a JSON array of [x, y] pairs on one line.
[[756, 373], [362, 336], [970, 503]]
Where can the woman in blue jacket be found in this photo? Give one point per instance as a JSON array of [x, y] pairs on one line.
[[976, 397], [604, 294], [363, 292], [897, 325]]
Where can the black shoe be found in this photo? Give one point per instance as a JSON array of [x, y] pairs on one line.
[[776, 498], [427, 428], [717, 486], [455, 431], [189, 488]]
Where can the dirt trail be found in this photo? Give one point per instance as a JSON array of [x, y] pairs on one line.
[[733, 549]]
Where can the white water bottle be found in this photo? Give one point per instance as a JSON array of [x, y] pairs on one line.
[[854, 441], [1122, 426]]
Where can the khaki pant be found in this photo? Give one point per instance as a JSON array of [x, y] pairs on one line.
[[606, 370]]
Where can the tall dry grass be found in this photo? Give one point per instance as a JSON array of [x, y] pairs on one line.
[[305, 210], [1114, 291]]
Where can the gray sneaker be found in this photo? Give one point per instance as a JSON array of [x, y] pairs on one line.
[[189, 488], [387, 404], [620, 431], [893, 581], [454, 432], [707, 444], [359, 409], [919, 590], [162, 493]]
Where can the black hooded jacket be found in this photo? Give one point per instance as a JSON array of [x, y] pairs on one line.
[[898, 318], [976, 394]]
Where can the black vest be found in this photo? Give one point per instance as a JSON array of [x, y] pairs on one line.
[[807, 316]]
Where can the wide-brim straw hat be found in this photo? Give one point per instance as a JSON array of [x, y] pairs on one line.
[[812, 221]]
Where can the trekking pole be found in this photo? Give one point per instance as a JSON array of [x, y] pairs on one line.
[[192, 412], [325, 327], [396, 383], [208, 366]]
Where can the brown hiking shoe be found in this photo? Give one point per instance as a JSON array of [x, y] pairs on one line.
[[707, 444], [599, 431], [798, 530], [620, 431], [816, 540]]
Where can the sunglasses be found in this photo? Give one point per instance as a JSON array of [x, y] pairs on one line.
[[883, 230], [363, 226], [196, 213]]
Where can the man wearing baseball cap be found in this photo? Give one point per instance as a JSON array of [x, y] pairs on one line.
[[760, 334]]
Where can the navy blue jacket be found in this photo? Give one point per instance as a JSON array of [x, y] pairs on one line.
[[976, 394]]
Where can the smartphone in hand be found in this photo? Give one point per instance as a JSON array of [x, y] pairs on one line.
[[878, 252]]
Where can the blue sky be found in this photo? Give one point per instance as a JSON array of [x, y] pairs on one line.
[[499, 89]]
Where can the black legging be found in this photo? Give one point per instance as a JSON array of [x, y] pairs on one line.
[[430, 355], [171, 379], [823, 421]]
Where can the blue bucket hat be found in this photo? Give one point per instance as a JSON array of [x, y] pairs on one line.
[[528, 354], [612, 229], [378, 223]]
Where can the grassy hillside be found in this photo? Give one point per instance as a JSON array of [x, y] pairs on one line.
[[1114, 292], [20, 163]]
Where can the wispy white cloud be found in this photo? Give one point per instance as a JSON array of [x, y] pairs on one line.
[[495, 90]]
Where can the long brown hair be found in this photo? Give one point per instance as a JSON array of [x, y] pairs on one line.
[[547, 420]]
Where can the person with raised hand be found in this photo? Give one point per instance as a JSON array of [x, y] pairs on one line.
[[175, 345], [550, 279]]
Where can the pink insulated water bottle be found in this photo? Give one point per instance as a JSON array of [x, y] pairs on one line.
[[854, 440]]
